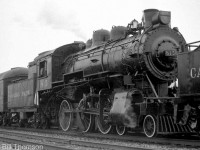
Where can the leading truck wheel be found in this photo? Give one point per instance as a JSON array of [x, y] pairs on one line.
[[149, 126], [65, 115]]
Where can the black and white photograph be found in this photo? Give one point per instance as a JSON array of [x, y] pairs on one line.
[[99, 75]]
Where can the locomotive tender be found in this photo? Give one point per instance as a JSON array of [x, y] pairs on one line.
[[118, 79]]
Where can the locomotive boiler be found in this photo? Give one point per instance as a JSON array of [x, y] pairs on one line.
[[123, 79]]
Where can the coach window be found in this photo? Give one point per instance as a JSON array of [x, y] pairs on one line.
[[43, 69]]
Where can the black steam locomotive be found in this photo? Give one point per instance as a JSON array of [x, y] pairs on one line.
[[119, 79]]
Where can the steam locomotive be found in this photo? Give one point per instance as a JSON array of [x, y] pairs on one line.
[[120, 79]]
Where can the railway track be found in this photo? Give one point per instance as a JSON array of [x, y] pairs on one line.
[[51, 143], [180, 142], [11, 143]]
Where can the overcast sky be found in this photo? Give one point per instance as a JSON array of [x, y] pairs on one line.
[[29, 27]]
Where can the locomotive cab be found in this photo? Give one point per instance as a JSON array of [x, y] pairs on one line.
[[50, 64]]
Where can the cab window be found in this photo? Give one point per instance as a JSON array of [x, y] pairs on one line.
[[43, 69]]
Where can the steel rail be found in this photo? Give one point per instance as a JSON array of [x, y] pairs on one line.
[[27, 143], [191, 141], [61, 141]]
